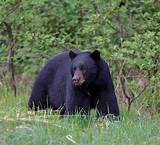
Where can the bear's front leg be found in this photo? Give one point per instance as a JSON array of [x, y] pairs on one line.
[[70, 101], [84, 105], [77, 104], [76, 101], [107, 104]]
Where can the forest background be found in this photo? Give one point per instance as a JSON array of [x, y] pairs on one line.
[[126, 32]]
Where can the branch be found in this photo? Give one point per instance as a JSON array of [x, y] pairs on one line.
[[124, 89], [140, 93], [15, 7], [11, 44]]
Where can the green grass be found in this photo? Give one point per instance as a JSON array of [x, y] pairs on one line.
[[20, 127]]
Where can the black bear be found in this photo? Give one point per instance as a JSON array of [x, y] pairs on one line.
[[75, 82]]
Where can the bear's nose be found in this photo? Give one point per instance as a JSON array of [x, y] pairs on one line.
[[75, 79]]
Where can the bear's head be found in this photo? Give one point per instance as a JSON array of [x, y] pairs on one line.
[[84, 67]]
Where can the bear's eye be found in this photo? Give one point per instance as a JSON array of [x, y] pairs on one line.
[[81, 67], [74, 68]]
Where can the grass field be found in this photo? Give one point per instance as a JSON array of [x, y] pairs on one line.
[[20, 127]]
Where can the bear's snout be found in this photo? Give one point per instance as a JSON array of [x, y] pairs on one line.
[[75, 80], [78, 78]]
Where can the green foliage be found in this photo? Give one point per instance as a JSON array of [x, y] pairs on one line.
[[42, 28]]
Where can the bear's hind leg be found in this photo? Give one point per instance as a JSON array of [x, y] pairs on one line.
[[38, 99]]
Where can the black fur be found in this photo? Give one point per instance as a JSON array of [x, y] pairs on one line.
[[54, 87]]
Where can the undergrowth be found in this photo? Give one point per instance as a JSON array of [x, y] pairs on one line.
[[19, 126]]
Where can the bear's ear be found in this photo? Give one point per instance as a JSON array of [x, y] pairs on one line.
[[72, 54], [95, 55]]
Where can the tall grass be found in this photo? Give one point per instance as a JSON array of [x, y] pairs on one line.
[[20, 127]]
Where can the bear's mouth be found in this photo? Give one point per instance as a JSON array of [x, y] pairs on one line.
[[78, 83]]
